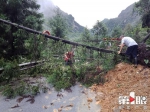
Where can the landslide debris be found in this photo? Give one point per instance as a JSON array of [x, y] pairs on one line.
[[122, 80]]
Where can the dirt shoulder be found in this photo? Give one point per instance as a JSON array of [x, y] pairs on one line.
[[123, 79]]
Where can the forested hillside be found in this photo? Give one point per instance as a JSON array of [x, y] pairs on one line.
[[127, 16], [48, 9]]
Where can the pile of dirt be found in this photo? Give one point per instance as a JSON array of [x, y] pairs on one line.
[[122, 80]]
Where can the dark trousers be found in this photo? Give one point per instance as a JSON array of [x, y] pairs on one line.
[[132, 52], [68, 62]]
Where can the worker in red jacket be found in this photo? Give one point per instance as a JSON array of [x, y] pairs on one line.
[[46, 32], [68, 57]]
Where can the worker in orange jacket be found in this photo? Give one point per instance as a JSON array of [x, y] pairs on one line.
[[68, 57], [46, 32]]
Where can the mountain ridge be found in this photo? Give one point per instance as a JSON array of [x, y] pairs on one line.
[[126, 16], [47, 7]]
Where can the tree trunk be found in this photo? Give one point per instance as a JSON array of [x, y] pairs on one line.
[[12, 48], [147, 36]]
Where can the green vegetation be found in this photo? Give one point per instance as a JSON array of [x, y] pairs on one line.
[[89, 66], [19, 89], [99, 29], [21, 12], [143, 9], [116, 32], [61, 78], [58, 24], [127, 16]]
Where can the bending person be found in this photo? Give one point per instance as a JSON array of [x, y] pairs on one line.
[[132, 48]]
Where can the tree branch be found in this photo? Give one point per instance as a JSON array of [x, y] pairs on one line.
[[144, 40]]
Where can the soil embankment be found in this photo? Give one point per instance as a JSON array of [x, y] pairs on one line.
[[123, 79]]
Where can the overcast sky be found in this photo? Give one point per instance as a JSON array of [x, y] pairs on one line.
[[87, 12]]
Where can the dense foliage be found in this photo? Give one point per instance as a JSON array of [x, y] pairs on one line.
[[99, 29], [16, 45], [88, 66], [116, 32], [23, 12], [85, 37], [143, 7], [58, 24]]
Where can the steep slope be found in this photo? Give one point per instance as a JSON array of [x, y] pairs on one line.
[[126, 16], [47, 8], [123, 79]]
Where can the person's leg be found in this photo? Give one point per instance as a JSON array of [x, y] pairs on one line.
[[129, 54], [131, 58], [66, 62], [135, 61], [134, 54]]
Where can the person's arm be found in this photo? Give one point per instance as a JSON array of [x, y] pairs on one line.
[[121, 46], [66, 57]]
